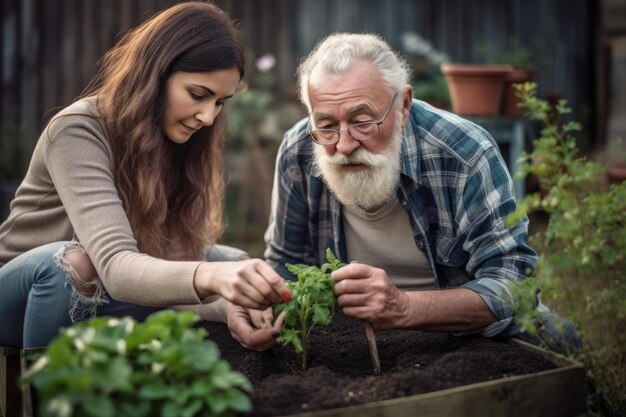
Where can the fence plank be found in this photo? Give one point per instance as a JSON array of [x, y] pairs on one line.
[[9, 101], [51, 21], [70, 53], [29, 61]]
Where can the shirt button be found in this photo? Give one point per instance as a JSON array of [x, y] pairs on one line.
[[404, 203], [446, 259], [420, 245]]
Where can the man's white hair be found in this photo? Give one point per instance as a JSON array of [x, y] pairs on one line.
[[336, 53]]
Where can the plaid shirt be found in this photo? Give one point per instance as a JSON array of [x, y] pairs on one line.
[[455, 188]]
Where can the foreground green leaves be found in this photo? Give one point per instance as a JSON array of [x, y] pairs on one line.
[[108, 367], [582, 260], [312, 303]]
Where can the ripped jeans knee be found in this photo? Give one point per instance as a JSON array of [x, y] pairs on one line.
[[87, 291]]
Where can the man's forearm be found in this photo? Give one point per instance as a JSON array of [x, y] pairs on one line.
[[456, 310]]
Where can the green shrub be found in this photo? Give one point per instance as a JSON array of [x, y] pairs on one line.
[[582, 260], [108, 367]]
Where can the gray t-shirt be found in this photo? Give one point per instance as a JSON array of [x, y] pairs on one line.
[[384, 239]]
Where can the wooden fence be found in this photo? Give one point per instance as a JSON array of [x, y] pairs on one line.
[[50, 48]]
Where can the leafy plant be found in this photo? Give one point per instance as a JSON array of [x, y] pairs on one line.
[[108, 367], [255, 97], [312, 303], [514, 54], [434, 90], [582, 260]]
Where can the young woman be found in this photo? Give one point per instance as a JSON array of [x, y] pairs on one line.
[[126, 184]]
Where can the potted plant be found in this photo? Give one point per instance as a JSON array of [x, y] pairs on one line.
[[476, 89], [580, 272], [434, 91], [511, 105], [118, 367], [524, 60]]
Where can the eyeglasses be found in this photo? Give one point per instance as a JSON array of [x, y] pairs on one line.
[[359, 131]]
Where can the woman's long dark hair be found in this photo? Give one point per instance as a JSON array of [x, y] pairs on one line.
[[172, 193]]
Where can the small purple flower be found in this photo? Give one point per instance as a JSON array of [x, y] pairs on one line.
[[265, 62]]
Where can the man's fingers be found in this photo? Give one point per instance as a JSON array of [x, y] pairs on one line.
[[353, 300], [352, 286], [360, 312], [353, 270]]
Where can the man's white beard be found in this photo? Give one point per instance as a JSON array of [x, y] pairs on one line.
[[370, 187]]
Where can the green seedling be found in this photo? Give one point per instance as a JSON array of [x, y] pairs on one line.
[[312, 303]]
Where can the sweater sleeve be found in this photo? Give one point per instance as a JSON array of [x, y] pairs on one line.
[[78, 159], [212, 310]]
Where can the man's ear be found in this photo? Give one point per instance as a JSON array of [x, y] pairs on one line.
[[406, 104]]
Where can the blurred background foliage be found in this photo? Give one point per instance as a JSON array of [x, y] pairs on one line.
[[50, 50]]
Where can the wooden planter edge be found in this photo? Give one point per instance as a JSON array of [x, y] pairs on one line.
[[559, 392]]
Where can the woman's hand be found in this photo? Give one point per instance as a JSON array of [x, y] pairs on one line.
[[254, 329], [249, 283]]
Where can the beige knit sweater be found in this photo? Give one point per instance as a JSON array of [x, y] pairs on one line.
[[69, 189]]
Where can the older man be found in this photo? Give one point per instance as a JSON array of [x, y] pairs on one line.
[[414, 197]]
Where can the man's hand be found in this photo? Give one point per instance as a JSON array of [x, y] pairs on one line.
[[367, 293], [254, 329]]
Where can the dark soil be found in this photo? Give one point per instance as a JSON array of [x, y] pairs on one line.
[[340, 368]]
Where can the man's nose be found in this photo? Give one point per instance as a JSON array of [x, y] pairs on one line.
[[347, 144]]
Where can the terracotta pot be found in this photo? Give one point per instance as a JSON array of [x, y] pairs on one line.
[[510, 99], [476, 90], [616, 174]]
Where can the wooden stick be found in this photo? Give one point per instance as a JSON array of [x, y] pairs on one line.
[[371, 341]]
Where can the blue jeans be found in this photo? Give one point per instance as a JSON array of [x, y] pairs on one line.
[[553, 333], [35, 299], [556, 334]]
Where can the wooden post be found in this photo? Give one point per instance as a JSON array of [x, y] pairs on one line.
[[371, 341], [10, 395]]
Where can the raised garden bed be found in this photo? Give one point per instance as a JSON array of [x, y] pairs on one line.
[[426, 373]]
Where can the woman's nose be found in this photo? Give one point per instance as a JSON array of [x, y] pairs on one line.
[[207, 114]]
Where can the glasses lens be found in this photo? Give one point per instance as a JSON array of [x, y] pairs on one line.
[[324, 135], [364, 130]]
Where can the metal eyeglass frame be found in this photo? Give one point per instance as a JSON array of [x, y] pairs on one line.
[[311, 132]]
